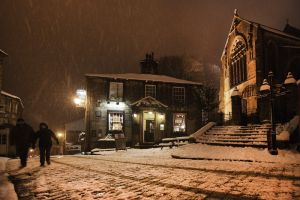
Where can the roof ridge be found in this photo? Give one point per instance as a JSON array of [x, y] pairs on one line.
[[144, 77], [269, 27], [265, 27]]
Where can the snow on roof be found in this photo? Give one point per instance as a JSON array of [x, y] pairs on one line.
[[291, 47], [12, 96], [267, 28], [3, 53], [144, 77], [279, 32]]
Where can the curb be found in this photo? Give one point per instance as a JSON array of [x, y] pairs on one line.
[[216, 159]]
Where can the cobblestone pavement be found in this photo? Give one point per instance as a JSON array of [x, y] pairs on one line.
[[125, 176]]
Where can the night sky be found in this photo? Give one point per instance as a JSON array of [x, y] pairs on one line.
[[52, 44]]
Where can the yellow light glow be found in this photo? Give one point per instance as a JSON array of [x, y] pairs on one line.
[[114, 106], [161, 116], [59, 135], [134, 115], [150, 113], [77, 100]]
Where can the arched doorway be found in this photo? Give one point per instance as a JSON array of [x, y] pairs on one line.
[[249, 104]]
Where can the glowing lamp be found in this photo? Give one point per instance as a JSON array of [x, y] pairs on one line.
[[77, 101]]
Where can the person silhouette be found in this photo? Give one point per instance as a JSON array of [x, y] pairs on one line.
[[22, 136], [44, 134]]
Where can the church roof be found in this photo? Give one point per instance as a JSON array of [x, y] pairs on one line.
[[292, 30], [2, 53], [289, 31], [145, 77]]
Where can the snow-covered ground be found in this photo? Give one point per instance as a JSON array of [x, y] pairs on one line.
[[209, 152], [154, 174], [7, 191]]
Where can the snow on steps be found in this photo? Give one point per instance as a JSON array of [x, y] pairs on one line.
[[250, 136]]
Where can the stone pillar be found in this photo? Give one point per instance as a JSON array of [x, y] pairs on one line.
[[236, 103], [264, 103], [291, 96], [264, 109]]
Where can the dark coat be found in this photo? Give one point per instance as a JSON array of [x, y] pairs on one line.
[[22, 135], [44, 135]]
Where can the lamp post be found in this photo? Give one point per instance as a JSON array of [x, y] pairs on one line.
[[81, 100], [273, 149], [267, 90]]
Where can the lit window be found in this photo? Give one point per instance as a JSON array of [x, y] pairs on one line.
[[238, 63], [179, 122], [115, 121], [150, 90], [116, 91], [179, 95]]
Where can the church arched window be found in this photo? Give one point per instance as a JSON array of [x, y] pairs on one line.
[[238, 63]]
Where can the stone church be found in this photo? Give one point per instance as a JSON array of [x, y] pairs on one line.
[[251, 51]]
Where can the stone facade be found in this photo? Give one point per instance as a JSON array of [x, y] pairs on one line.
[[11, 108], [146, 107], [250, 52]]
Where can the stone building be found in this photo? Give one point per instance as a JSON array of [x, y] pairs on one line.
[[11, 108], [72, 131], [251, 51], [146, 107]]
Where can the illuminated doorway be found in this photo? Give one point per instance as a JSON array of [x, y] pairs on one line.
[[148, 126]]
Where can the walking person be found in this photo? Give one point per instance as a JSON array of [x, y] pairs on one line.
[[22, 136], [45, 143]]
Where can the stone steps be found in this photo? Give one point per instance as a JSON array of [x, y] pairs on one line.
[[233, 137], [236, 144], [252, 136]]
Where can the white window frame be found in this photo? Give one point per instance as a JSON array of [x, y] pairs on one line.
[[111, 120], [178, 98], [150, 91], [119, 90]]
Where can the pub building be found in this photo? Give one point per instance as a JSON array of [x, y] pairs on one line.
[[146, 106]]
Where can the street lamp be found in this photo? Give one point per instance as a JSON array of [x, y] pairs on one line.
[[267, 90], [59, 135]]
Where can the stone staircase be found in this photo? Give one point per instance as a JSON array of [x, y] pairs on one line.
[[242, 136]]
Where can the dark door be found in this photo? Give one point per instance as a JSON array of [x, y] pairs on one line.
[[149, 132], [244, 111]]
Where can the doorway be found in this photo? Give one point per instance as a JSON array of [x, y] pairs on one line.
[[148, 126]]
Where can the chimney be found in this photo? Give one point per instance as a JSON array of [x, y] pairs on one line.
[[149, 65]]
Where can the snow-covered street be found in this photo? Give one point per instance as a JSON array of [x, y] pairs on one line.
[[153, 174]]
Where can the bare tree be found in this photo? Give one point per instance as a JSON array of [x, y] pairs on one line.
[[188, 68]]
